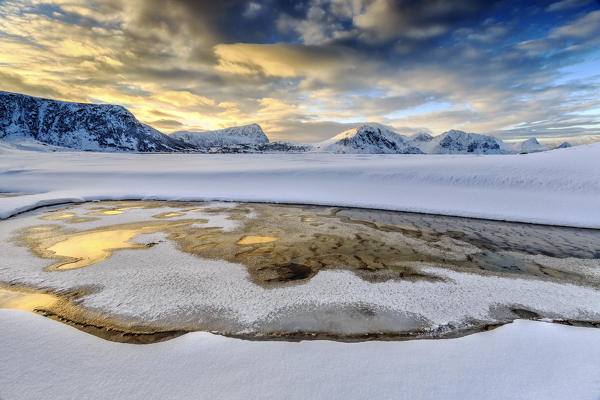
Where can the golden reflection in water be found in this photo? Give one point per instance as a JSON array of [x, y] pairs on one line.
[[168, 215], [106, 212], [250, 239], [43, 228], [74, 249], [87, 248], [18, 300], [55, 217]]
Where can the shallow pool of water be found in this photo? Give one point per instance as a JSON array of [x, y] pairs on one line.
[[401, 266]]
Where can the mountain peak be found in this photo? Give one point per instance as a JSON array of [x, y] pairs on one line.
[[564, 145], [81, 126], [368, 138], [456, 141]]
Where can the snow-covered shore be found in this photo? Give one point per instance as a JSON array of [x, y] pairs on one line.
[[522, 360], [560, 187]]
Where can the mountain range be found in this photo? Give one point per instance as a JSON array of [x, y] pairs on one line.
[[105, 127]]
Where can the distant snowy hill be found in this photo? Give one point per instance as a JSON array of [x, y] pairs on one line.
[[234, 136], [80, 126], [458, 142], [237, 139], [368, 139], [526, 146]]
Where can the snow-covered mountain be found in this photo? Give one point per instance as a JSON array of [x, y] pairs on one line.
[[81, 126], [458, 142], [234, 136], [375, 138], [564, 145], [526, 146], [237, 139], [368, 139], [103, 127]]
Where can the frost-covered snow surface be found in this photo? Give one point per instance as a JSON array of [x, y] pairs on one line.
[[560, 187], [368, 139], [238, 135], [95, 127], [522, 360]]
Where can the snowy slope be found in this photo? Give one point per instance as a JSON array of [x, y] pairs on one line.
[[458, 142], [521, 360], [368, 139], [95, 127], [560, 187], [233, 136]]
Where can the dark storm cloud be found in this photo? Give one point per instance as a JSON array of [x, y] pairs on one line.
[[208, 22]]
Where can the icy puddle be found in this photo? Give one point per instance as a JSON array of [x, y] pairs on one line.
[[139, 271]]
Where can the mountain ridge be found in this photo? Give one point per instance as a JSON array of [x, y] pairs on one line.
[[107, 127], [82, 126]]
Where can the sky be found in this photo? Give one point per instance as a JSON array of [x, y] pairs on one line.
[[307, 70]]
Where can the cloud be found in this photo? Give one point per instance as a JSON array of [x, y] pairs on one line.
[[567, 4], [306, 70]]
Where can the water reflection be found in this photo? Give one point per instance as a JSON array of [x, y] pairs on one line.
[[27, 301], [251, 239], [88, 248]]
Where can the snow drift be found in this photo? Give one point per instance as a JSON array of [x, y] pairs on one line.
[[522, 360]]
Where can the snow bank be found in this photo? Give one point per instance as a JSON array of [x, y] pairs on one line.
[[560, 187], [44, 359]]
